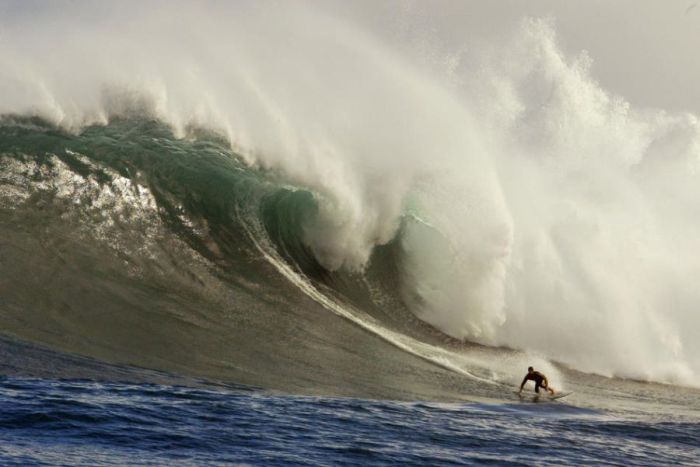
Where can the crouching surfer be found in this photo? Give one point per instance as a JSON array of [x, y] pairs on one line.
[[539, 379]]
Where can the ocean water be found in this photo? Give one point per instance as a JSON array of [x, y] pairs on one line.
[[302, 241], [83, 422], [50, 421]]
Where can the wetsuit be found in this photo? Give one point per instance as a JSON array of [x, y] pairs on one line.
[[539, 379]]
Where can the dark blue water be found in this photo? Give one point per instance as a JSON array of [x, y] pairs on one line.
[[77, 422]]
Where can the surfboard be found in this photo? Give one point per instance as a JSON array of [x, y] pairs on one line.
[[542, 397]]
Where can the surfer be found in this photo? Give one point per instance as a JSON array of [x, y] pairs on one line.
[[539, 379]]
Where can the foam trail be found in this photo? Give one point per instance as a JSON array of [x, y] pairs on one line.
[[427, 352], [499, 368]]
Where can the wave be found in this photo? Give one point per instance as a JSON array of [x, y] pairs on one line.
[[194, 191], [134, 247]]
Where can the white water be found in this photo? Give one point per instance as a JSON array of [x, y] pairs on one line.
[[553, 215]]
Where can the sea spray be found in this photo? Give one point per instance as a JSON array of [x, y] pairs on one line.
[[602, 198]]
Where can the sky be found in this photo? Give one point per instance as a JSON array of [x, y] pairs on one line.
[[645, 50]]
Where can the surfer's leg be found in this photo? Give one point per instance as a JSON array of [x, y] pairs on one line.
[[537, 387], [545, 384]]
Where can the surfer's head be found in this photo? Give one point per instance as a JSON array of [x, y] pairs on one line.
[[530, 369]]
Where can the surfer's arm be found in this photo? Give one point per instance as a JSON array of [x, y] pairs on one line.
[[522, 385]]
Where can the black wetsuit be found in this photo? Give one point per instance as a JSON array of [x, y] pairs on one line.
[[539, 379]]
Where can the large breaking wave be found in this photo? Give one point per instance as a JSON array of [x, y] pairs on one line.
[[180, 187]]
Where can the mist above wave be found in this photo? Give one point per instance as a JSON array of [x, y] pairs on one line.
[[292, 88]]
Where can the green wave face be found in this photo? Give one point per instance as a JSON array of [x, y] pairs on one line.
[[126, 244]]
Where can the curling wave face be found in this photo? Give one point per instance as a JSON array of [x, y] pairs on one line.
[[203, 207], [128, 245]]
